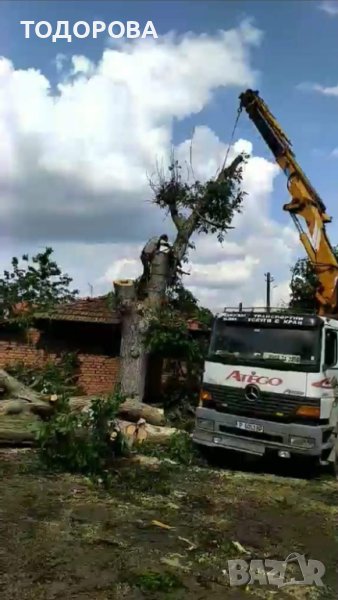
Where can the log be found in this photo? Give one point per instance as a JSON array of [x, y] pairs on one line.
[[16, 430], [142, 431], [131, 410], [14, 388], [21, 399]]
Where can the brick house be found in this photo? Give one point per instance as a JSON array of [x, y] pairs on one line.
[[91, 328], [87, 326]]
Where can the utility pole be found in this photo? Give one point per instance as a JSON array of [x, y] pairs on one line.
[[269, 279]]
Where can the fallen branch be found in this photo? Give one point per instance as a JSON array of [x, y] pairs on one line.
[[19, 398]]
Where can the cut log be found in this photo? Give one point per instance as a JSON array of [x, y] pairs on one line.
[[15, 389], [18, 398], [142, 431], [131, 410], [16, 430]]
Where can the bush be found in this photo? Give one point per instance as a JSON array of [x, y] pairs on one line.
[[80, 443], [54, 377]]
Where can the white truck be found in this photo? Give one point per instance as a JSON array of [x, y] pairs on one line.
[[270, 379], [269, 384]]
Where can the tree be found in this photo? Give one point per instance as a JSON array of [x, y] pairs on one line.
[[36, 283], [303, 284], [194, 208]]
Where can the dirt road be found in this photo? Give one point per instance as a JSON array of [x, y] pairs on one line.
[[62, 538]]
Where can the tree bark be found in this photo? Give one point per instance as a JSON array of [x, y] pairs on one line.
[[131, 410], [135, 321], [133, 358]]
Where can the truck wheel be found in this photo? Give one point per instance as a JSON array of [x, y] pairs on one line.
[[210, 454]]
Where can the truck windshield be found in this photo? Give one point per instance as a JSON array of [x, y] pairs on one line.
[[260, 343]]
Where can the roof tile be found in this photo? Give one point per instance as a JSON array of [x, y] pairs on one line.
[[90, 310]]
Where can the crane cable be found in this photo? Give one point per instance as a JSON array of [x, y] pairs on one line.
[[231, 138]]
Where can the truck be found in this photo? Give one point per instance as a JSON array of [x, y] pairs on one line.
[[270, 379]]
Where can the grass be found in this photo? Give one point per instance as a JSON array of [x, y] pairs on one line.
[[163, 534]]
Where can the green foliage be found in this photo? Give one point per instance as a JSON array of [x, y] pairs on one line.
[[168, 335], [80, 443], [304, 283], [54, 377], [214, 202], [152, 581], [33, 283], [182, 300], [179, 448]]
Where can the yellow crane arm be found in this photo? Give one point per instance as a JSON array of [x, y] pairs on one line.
[[305, 202]]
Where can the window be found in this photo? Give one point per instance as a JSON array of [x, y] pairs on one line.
[[330, 348]]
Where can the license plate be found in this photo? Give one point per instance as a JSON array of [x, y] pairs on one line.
[[250, 426]]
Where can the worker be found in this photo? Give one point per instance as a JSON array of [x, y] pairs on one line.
[[147, 255]]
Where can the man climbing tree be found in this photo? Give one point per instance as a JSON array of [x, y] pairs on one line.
[[147, 255], [194, 208]]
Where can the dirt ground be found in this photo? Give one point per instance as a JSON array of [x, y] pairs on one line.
[[62, 537]]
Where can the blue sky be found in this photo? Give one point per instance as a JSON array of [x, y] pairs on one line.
[[300, 45]]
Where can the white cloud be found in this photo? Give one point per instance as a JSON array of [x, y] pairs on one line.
[[321, 89], [330, 7], [74, 164]]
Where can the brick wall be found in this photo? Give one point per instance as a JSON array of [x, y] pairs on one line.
[[97, 373]]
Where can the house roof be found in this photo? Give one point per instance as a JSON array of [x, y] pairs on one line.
[[93, 310], [90, 310]]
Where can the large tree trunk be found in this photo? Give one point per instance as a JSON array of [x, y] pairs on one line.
[[135, 318], [133, 358]]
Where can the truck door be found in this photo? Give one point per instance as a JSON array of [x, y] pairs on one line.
[[330, 368]]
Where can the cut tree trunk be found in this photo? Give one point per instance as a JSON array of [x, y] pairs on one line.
[[132, 353], [158, 280], [133, 357], [142, 431], [134, 315]]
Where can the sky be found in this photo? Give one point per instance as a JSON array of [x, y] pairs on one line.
[[83, 125]]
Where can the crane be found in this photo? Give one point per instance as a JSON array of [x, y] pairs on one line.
[[305, 202]]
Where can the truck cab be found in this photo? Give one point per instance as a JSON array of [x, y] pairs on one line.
[[270, 384]]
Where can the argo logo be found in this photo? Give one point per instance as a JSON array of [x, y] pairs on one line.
[[253, 377]]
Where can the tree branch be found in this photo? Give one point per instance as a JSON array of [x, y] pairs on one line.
[[211, 223], [229, 172], [176, 218], [191, 222]]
